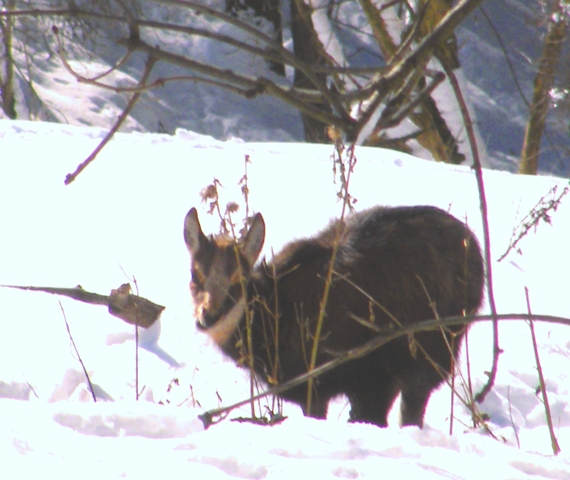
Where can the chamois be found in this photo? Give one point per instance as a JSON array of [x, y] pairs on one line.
[[399, 265]]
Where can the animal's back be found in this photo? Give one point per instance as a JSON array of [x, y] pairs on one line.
[[393, 266], [416, 262], [413, 253]]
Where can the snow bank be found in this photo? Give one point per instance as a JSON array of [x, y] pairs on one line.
[[122, 218]]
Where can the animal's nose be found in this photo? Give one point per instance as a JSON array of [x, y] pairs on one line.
[[206, 310], [205, 320]]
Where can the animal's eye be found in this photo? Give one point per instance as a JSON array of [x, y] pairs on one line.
[[197, 277]]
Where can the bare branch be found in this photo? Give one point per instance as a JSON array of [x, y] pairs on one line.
[[122, 304], [425, 49], [132, 102], [332, 102], [486, 234], [77, 353], [209, 417], [389, 119], [284, 55], [542, 382]]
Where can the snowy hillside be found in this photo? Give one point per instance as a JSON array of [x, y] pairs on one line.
[[122, 218], [499, 48]]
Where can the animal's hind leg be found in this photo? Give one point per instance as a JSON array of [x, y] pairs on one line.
[[415, 396], [422, 378], [371, 405], [318, 409]]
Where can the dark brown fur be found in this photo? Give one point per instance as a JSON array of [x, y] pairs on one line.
[[416, 262]]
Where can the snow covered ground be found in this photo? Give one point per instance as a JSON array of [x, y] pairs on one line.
[[122, 218]]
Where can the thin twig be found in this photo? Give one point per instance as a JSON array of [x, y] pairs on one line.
[[395, 118], [452, 396], [539, 212], [77, 353], [32, 389], [480, 397], [136, 362], [469, 382], [511, 417], [137, 392], [136, 325], [132, 102], [548, 412], [345, 169]]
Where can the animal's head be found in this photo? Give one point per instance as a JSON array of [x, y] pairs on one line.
[[220, 268]]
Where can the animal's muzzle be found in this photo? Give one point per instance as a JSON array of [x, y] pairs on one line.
[[205, 319]]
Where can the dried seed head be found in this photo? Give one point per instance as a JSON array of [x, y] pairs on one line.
[[334, 133], [209, 193], [232, 207]]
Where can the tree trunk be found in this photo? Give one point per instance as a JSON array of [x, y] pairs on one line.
[[304, 47], [541, 92], [268, 9], [7, 73]]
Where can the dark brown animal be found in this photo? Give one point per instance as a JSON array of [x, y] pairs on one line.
[[393, 265]]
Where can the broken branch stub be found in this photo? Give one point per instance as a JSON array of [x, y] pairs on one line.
[[122, 303]]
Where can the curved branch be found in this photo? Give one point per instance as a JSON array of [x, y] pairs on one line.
[[160, 82], [208, 418], [480, 397], [125, 113], [284, 55], [268, 54], [253, 86]]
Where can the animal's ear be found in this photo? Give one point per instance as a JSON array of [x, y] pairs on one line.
[[193, 235], [252, 243]]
